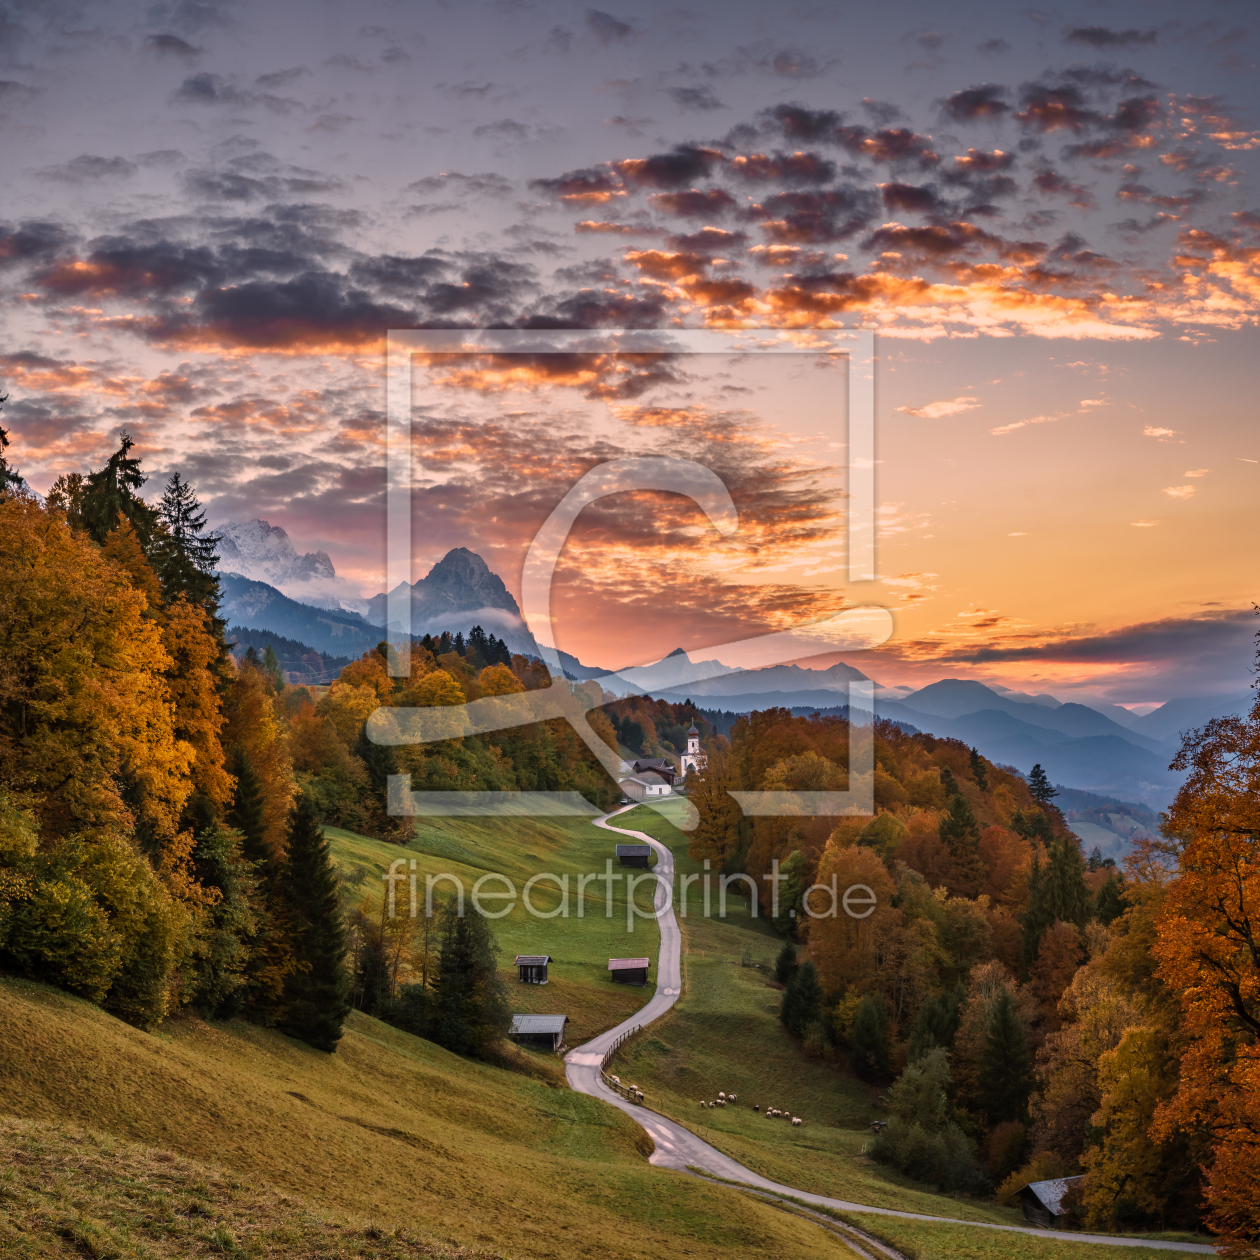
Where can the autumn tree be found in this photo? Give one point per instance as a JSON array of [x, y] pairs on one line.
[[960, 833], [716, 836]]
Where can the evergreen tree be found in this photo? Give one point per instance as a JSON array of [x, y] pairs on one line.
[[461, 648], [1039, 786], [1034, 826], [246, 816], [978, 771], [444, 643], [479, 642], [217, 967], [1110, 903], [785, 963], [960, 831], [469, 1010], [802, 1000], [317, 991], [870, 1054], [271, 667], [1006, 1076], [1056, 892], [948, 782], [10, 478], [187, 554], [936, 1022], [111, 491]]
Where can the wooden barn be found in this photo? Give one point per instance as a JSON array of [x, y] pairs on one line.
[[544, 1032], [1042, 1201], [628, 970], [634, 854], [532, 968]]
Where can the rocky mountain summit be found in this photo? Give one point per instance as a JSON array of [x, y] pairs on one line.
[[264, 553]]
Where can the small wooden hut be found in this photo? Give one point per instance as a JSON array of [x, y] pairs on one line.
[[629, 970], [1042, 1201], [634, 855], [544, 1032], [532, 968]]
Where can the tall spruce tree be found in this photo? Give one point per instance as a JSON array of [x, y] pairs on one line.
[[317, 990], [785, 963], [187, 554], [1039, 786], [111, 492], [961, 833], [870, 1052], [1110, 903], [1006, 1075], [469, 1008], [979, 771], [10, 478], [936, 1022], [802, 1000], [1057, 892]]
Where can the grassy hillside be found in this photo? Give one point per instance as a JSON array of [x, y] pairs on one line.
[[520, 849], [390, 1129]]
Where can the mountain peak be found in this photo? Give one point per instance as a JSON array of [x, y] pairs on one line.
[[677, 652]]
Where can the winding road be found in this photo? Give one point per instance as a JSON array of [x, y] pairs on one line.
[[677, 1147]]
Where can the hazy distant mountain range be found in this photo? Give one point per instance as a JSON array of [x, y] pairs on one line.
[[1102, 749]]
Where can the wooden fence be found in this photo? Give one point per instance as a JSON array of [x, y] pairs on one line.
[[630, 1093]]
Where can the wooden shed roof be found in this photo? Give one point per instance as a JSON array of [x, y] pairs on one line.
[[634, 850], [629, 964], [539, 1023], [1050, 1193], [532, 960]]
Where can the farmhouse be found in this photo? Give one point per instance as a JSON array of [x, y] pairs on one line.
[[639, 787], [655, 765], [532, 968], [1042, 1201], [628, 970], [545, 1032], [634, 854]]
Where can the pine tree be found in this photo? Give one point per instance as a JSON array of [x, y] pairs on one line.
[[936, 1022], [217, 966], [802, 1000], [1006, 1077], [317, 991], [10, 478], [271, 667], [246, 816], [111, 491], [960, 831], [1057, 892], [948, 782], [870, 1054], [187, 554], [1110, 903], [785, 963], [979, 771], [459, 645], [469, 1010], [1039, 786]]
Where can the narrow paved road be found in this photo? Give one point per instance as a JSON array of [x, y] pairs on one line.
[[678, 1147]]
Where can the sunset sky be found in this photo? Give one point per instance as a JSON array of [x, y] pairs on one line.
[[213, 213]]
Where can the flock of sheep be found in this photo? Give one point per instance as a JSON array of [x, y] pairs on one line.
[[724, 1098]]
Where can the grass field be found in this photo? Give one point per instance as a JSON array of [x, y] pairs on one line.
[[580, 947], [391, 1129]]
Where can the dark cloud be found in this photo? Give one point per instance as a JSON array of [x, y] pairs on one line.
[[280, 78], [1058, 107], [485, 184], [890, 145], [13, 93], [709, 238], [785, 168], [1103, 37], [32, 241], [816, 218], [809, 125], [161, 157], [698, 98], [934, 243], [88, 168], [911, 198], [790, 63], [930, 41], [607, 28], [1053, 184], [993, 47], [208, 89], [397, 275], [682, 166], [711, 204], [599, 308], [170, 46], [882, 112], [234, 186], [504, 129], [590, 183], [983, 102]]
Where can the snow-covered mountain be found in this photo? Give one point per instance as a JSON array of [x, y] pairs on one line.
[[264, 553]]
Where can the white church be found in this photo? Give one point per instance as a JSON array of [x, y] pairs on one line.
[[650, 777]]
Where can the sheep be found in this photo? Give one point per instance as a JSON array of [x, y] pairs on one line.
[[797, 1122], [721, 1102], [756, 1106], [733, 1098], [721, 1095], [616, 1080]]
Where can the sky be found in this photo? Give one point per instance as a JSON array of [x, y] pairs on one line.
[[214, 212]]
